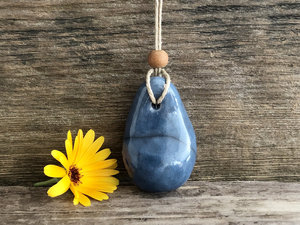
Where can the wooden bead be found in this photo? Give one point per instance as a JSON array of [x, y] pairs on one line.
[[158, 58]]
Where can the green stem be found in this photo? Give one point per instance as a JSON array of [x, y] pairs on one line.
[[46, 183]]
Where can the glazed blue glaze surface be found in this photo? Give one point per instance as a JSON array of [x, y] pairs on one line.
[[159, 148]]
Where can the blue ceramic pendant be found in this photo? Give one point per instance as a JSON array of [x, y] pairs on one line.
[[159, 148]]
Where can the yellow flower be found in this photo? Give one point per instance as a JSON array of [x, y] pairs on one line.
[[86, 171]]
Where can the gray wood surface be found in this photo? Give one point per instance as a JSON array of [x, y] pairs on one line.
[[207, 203]]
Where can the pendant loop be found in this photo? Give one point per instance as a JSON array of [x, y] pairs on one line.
[[166, 87]]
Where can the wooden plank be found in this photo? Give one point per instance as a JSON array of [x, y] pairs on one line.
[[77, 64], [196, 203]]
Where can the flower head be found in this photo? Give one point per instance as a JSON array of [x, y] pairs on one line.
[[86, 171]]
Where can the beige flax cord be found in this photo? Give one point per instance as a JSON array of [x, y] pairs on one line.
[[158, 71]]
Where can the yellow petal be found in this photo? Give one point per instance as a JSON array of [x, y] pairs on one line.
[[89, 180], [93, 193], [99, 186], [114, 166], [89, 155], [54, 171], [61, 187], [75, 150], [59, 156], [69, 137], [75, 201], [103, 154], [101, 172], [98, 195], [76, 194], [80, 137], [86, 143], [73, 189], [100, 165], [110, 180], [85, 201], [77, 145], [88, 139], [107, 190], [96, 145], [68, 146]]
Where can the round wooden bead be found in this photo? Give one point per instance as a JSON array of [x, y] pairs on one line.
[[158, 58]]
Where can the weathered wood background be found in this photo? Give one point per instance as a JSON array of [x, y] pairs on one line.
[[197, 203], [77, 64]]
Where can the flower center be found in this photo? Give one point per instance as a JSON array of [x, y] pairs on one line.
[[74, 174]]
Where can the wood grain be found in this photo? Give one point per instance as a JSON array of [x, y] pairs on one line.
[[207, 203], [77, 64]]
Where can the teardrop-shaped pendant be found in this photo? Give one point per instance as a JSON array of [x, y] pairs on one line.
[[159, 148]]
